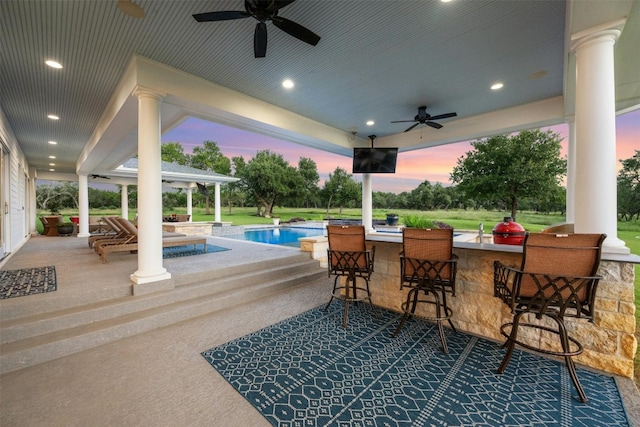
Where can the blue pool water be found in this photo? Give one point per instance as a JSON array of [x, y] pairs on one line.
[[279, 236]]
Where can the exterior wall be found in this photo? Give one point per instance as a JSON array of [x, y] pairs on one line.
[[16, 182], [609, 342]]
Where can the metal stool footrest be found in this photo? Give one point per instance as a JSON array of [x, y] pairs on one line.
[[576, 352]]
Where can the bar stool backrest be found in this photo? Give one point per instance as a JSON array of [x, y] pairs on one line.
[[566, 255], [347, 246], [434, 244]]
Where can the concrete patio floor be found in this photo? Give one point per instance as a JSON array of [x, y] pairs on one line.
[[158, 377]]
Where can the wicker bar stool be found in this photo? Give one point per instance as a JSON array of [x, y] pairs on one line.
[[428, 266], [556, 280], [349, 258]]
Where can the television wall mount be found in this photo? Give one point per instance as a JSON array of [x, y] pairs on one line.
[[372, 137]]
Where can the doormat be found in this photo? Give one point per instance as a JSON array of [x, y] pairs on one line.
[[309, 371], [27, 281]]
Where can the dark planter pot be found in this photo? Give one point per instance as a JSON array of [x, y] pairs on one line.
[[65, 229], [392, 219]]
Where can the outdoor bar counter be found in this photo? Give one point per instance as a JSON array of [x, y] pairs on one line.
[[609, 342]]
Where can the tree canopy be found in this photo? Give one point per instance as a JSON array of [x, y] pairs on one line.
[[629, 188], [269, 177], [508, 168], [341, 190], [173, 152]]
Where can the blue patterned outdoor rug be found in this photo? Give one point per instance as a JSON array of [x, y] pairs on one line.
[[309, 371], [180, 251], [27, 281]]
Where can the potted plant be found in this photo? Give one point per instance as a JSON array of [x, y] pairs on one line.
[[392, 219], [65, 228]]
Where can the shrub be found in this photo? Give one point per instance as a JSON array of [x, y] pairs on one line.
[[416, 221]]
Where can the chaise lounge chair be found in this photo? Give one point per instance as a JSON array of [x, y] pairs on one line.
[[131, 244]]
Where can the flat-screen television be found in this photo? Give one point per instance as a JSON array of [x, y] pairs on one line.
[[374, 160]]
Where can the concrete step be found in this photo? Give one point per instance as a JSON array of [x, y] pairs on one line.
[[36, 339]]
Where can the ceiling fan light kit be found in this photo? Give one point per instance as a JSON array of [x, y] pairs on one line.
[[263, 11], [130, 9]]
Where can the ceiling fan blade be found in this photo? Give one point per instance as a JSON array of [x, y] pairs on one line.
[[220, 16], [260, 40], [434, 125], [411, 127], [443, 116], [296, 30], [403, 121]]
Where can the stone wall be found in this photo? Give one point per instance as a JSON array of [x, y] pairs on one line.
[[609, 342]]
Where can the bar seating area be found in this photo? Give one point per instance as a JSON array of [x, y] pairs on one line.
[[608, 340]]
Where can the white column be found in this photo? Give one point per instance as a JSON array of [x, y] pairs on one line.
[[124, 201], [217, 203], [367, 203], [150, 268], [83, 205], [595, 190], [33, 205], [190, 203], [571, 172]]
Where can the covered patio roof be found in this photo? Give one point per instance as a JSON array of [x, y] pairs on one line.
[[173, 175]]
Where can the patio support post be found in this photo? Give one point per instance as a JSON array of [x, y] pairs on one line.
[[150, 267], [595, 191], [216, 208], [190, 203], [32, 203], [367, 203], [571, 172], [124, 201], [83, 205]]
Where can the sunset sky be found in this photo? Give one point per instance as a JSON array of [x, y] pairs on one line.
[[429, 164]]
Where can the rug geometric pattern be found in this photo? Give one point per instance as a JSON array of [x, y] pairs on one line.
[[27, 281], [309, 371], [180, 251]]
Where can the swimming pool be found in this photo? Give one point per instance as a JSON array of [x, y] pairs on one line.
[[279, 236]]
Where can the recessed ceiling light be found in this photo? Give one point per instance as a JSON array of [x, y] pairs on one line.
[[53, 64], [53, 117], [52, 170], [497, 86], [370, 123], [53, 143], [52, 157], [52, 164], [445, 1], [288, 84]]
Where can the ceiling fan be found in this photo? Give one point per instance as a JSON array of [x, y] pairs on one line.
[[263, 10], [94, 176], [424, 118]]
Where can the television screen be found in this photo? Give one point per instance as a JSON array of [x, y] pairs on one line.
[[374, 160]]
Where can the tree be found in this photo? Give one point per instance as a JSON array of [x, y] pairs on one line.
[[210, 158], [56, 197], [173, 152], [507, 168], [269, 177], [308, 171], [341, 190], [629, 188]]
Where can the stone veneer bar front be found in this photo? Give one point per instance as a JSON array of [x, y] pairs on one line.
[[609, 341]]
